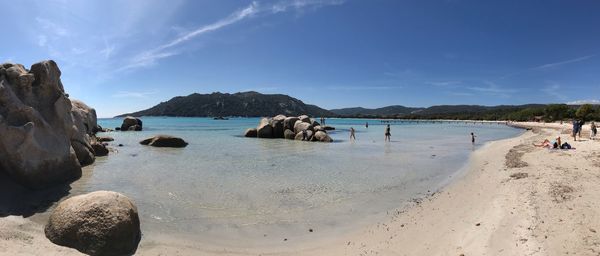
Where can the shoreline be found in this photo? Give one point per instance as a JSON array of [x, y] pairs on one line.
[[482, 210]]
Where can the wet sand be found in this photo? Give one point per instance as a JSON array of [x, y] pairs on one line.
[[513, 199]]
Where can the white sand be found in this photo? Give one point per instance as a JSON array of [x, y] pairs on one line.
[[554, 210]]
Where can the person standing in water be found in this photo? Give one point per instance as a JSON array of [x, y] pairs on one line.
[[473, 138], [367, 125], [388, 135], [352, 137]]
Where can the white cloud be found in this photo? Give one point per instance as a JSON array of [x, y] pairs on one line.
[[42, 40], [552, 89], [127, 94], [560, 63], [150, 57], [363, 88], [299, 4], [580, 102], [52, 28], [492, 89]]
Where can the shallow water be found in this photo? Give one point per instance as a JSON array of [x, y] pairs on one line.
[[225, 187]]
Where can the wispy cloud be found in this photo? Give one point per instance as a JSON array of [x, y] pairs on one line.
[[51, 27], [127, 94], [561, 63], [299, 4], [445, 83], [150, 57], [492, 88], [580, 102], [363, 88], [552, 89]]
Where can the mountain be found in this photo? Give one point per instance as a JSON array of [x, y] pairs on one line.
[[385, 111], [238, 104], [445, 112]]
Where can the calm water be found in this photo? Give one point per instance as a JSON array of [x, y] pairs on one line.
[[224, 186]]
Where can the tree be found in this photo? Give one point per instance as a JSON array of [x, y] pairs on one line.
[[585, 111], [555, 112]]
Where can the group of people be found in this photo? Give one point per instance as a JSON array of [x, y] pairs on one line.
[[388, 134], [578, 127], [555, 144]]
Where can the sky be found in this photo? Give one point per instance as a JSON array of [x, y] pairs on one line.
[[121, 56]]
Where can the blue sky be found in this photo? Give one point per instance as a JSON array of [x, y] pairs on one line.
[[123, 56]]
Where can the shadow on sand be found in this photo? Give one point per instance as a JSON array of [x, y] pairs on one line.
[[21, 201]]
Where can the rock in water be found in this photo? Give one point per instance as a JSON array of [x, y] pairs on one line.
[[289, 134], [300, 136], [264, 129], [105, 139], [130, 122], [300, 126], [251, 132], [277, 125], [36, 126], [98, 223], [164, 141], [304, 118], [99, 149], [322, 137], [289, 122]]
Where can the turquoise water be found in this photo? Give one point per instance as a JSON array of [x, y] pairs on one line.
[[224, 186]]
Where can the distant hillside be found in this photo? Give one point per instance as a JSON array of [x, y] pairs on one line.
[[472, 112], [385, 111], [251, 104]]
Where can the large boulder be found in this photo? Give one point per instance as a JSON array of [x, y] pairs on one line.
[[264, 129], [304, 118], [99, 149], [98, 223], [251, 133], [300, 136], [300, 126], [314, 122], [84, 126], [164, 141], [130, 121], [289, 134], [277, 125], [328, 128], [36, 126], [322, 137], [289, 122]]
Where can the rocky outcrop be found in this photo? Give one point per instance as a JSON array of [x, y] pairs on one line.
[[289, 134], [40, 126], [301, 126], [85, 126], [264, 128], [322, 136], [290, 128], [131, 123], [98, 223], [164, 141], [251, 133], [289, 122], [45, 137]]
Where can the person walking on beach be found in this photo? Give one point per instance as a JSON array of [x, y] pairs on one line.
[[594, 131], [575, 129], [388, 135], [367, 125], [473, 138], [581, 123], [352, 137], [304, 135]]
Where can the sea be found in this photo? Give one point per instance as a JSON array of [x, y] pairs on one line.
[[225, 187]]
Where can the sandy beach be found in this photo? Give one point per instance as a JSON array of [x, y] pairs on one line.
[[512, 199]]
